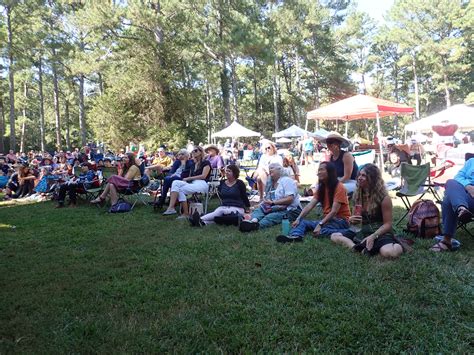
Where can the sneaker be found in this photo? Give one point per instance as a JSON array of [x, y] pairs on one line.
[[247, 226], [169, 212], [285, 239], [182, 217]]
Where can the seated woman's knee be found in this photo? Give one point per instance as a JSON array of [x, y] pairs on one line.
[[391, 250]]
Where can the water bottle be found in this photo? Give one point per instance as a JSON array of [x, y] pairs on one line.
[[285, 226]]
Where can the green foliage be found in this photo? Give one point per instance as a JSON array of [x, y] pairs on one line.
[[83, 280], [176, 70]]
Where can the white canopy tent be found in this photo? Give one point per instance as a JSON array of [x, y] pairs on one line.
[[293, 131], [460, 115], [235, 130]]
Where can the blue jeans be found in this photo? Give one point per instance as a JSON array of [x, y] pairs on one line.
[[455, 195], [335, 225], [274, 218]]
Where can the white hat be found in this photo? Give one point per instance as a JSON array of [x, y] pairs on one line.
[[336, 136]]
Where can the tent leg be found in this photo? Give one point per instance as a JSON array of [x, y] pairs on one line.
[[379, 135]]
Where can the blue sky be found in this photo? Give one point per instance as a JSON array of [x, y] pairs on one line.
[[375, 8]]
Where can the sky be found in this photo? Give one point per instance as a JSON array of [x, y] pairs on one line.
[[375, 8]]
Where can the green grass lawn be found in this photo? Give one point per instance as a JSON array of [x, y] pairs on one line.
[[85, 281]]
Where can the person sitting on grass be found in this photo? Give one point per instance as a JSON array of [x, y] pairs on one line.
[[160, 163], [458, 205], [85, 180], [261, 174], [180, 169], [233, 194], [375, 217], [333, 197], [195, 183], [130, 173], [282, 200], [26, 179]]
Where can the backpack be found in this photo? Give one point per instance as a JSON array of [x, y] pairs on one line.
[[423, 219], [120, 207]]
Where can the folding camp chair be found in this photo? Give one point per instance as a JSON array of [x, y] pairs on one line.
[[415, 181], [137, 188], [92, 192], [462, 225]]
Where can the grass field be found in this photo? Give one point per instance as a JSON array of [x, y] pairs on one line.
[[81, 280]]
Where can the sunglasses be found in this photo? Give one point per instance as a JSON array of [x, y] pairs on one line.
[[196, 151], [268, 148]]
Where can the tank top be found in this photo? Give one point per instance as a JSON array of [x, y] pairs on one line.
[[340, 166]]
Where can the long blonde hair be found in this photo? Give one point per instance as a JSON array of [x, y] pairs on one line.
[[372, 197]]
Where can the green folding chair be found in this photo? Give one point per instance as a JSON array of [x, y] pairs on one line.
[[416, 181]]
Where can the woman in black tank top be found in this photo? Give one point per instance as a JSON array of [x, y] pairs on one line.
[[375, 216]]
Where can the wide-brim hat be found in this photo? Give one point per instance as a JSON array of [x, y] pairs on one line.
[[336, 136], [211, 146]]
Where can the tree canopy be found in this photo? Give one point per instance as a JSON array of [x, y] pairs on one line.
[[164, 71]]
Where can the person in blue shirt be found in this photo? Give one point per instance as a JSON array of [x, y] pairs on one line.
[[458, 204], [85, 180]]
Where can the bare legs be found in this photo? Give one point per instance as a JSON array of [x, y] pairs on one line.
[[174, 200], [261, 182], [109, 191], [393, 250]]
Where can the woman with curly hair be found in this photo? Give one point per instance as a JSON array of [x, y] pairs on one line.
[[130, 172], [375, 215]]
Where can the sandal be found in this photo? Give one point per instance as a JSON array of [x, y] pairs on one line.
[[97, 200], [464, 215], [438, 248]]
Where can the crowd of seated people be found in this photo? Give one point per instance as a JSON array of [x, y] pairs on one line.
[[367, 229]]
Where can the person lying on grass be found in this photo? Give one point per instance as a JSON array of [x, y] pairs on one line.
[[130, 172], [282, 200], [332, 194], [376, 235], [458, 205], [195, 183], [235, 202]]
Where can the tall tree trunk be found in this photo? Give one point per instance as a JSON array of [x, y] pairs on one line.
[[287, 75], [234, 90], [56, 102], [415, 83], [298, 89], [208, 112], [275, 97], [224, 71], [101, 84], [41, 98], [2, 126], [255, 88], [68, 122], [225, 91], [11, 79], [82, 111], [23, 124], [447, 94], [396, 92]]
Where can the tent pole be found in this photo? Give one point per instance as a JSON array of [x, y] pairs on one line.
[[347, 128], [379, 134]]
